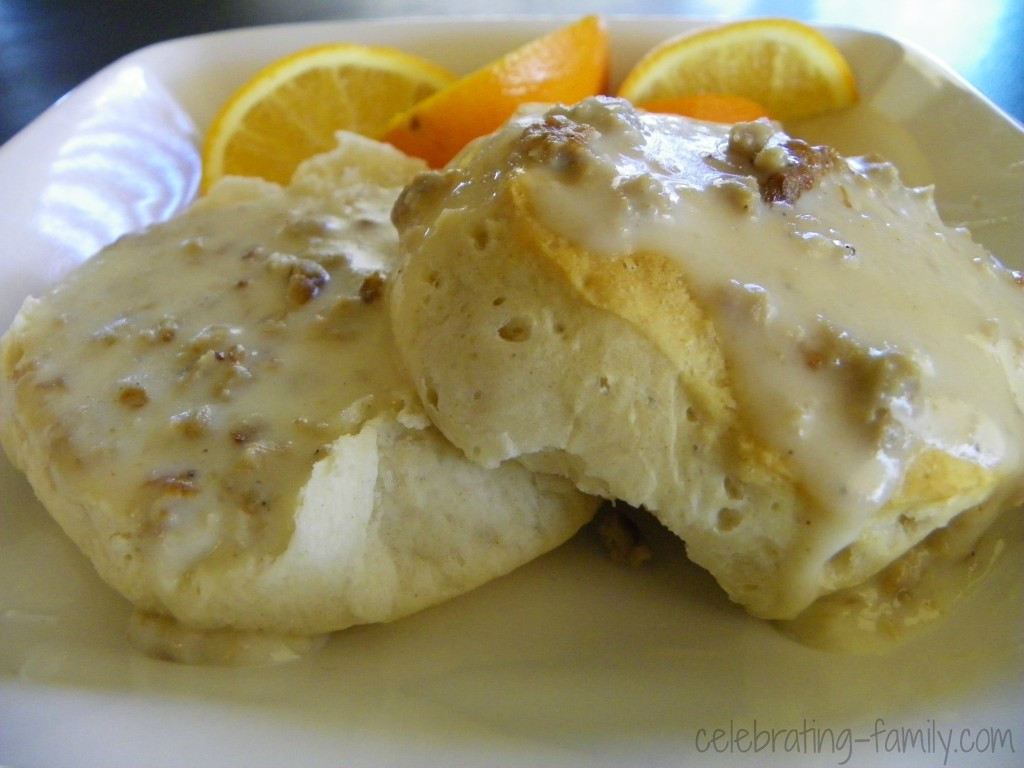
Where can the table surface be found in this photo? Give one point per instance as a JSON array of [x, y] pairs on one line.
[[47, 47]]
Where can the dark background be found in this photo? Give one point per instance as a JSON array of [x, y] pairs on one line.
[[47, 47]]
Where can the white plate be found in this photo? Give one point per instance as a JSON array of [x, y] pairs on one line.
[[569, 661]]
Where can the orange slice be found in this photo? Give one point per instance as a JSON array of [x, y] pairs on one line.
[[564, 66], [716, 107], [791, 69], [291, 110]]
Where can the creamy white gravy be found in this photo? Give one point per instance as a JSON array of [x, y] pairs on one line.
[[188, 377], [164, 638], [900, 601], [860, 330]]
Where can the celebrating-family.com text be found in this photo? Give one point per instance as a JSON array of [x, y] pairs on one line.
[[930, 739]]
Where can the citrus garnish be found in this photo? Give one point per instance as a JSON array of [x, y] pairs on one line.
[[716, 107], [789, 68], [564, 66], [292, 109]]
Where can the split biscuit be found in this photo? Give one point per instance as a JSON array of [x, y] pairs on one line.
[[782, 353]]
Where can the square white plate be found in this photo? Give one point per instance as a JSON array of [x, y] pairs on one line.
[[569, 661]]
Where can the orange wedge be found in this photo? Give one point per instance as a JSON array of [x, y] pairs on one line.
[[789, 68], [715, 107], [292, 109], [564, 66]]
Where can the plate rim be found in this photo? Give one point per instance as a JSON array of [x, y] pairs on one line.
[[174, 45]]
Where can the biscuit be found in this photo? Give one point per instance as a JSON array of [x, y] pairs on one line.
[[784, 354], [214, 412]]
